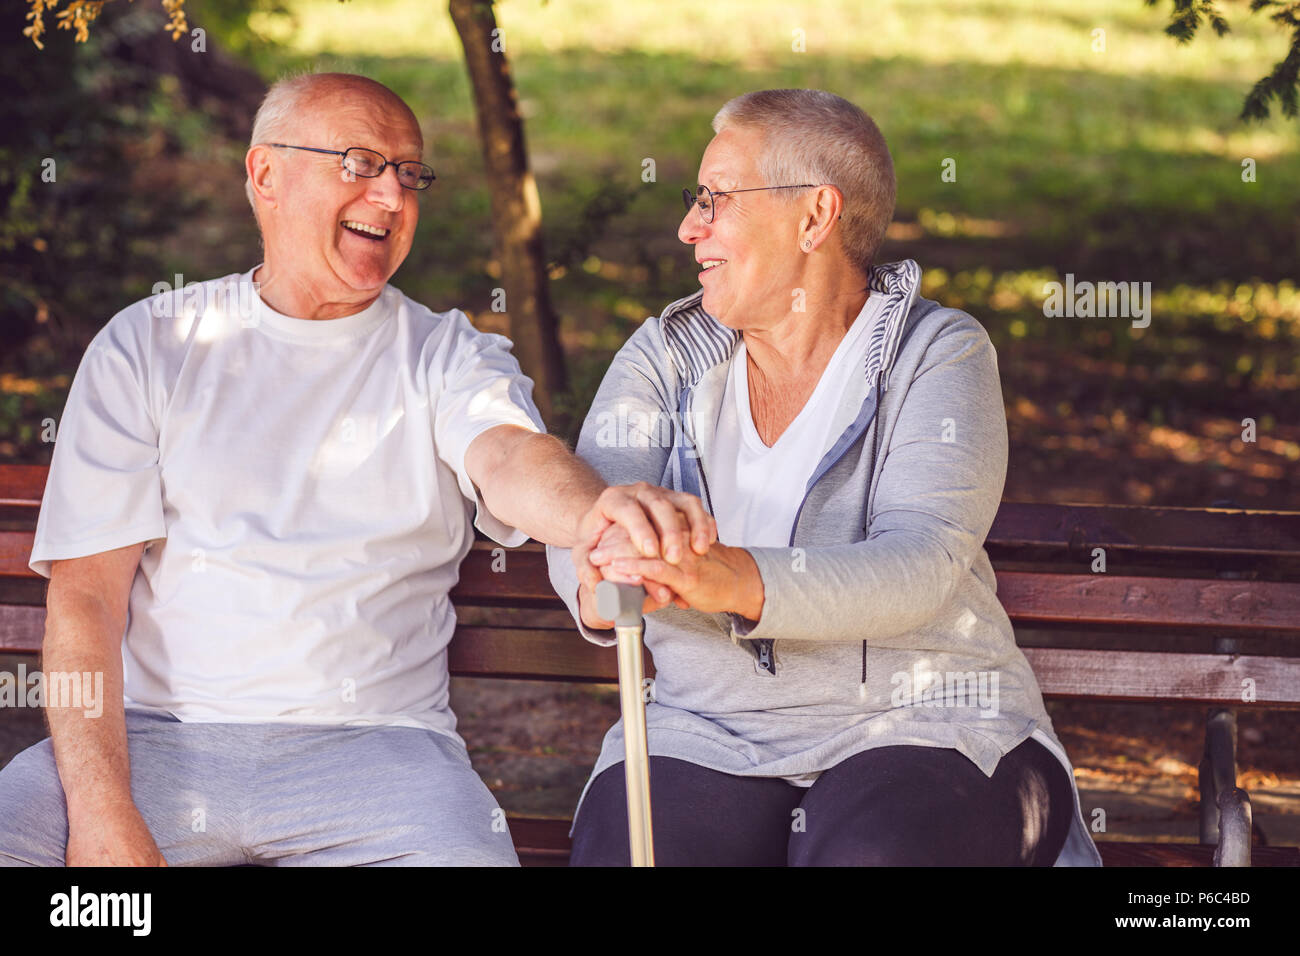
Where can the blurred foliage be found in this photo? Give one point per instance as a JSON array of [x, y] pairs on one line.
[[249, 29], [1121, 164], [82, 214], [80, 221], [79, 14], [1282, 82]]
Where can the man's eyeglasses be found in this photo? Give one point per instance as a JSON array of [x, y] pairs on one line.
[[368, 164], [703, 197]]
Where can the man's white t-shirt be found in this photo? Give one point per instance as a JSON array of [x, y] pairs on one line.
[[301, 485], [756, 490]]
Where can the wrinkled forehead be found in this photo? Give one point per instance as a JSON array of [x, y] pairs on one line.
[[339, 119], [731, 159]]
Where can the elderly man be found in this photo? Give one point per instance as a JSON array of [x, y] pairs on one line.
[[260, 496]]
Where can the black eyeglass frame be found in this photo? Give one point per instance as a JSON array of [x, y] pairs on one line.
[[384, 165], [702, 191]]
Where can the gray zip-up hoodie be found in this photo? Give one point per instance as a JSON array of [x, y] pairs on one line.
[[880, 623]]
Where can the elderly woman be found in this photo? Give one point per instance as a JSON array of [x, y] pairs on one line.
[[836, 681]]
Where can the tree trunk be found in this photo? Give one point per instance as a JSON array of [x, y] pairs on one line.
[[516, 209]]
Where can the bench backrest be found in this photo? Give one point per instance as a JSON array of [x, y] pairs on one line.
[[1180, 579]]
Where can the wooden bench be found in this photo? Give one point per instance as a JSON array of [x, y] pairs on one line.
[[1193, 605]]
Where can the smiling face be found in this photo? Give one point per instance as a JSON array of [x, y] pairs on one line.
[[333, 239], [751, 246]]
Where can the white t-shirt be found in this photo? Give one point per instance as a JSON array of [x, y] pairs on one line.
[[302, 489], [756, 490]]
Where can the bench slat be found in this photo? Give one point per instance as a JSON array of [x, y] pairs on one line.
[[21, 629], [1181, 678], [492, 575], [15, 552], [1144, 529], [22, 484], [531, 654], [1030, 598], [1075, 529], [1061, 672], [1183, 603]]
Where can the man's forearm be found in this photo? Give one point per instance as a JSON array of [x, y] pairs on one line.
[[534, 483], [83, 635], [538, 486]]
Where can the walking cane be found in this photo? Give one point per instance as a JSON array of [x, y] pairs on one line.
[[621, 603]]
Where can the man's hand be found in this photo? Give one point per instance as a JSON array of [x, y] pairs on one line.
[[534, 483], [118, 838]]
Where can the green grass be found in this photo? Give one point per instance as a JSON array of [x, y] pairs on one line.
[[1118, 165], [1062, 152]]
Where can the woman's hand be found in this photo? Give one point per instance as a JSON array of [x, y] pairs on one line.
[[639, 520], [722, 579], [662, 522], [615, 542]]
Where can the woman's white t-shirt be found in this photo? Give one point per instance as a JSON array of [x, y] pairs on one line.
[[756, 490]]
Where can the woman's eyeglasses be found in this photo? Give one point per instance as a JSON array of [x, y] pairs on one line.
[[703, 197]]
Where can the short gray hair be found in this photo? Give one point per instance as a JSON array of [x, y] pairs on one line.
[[811, 136], [274, 116], [286, 97]]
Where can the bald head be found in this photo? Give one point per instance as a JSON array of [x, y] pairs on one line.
[[333, 234], [297, 108]]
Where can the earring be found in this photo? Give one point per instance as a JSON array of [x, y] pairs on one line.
[[807, 243]]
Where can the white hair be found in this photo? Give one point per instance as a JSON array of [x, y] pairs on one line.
[[275, 116], [811, 136]]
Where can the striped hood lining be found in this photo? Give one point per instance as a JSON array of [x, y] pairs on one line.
[[697, 341]]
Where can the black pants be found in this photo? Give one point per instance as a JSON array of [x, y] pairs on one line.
[[891, 806]]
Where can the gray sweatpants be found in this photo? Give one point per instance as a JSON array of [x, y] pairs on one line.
[[275, 795]]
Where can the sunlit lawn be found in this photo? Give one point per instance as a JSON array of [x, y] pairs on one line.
[[1115, 163], [1066, 157]]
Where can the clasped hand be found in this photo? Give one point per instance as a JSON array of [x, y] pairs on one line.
[[699, 573]]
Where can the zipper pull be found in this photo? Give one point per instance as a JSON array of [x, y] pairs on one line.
[[765, 656]]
